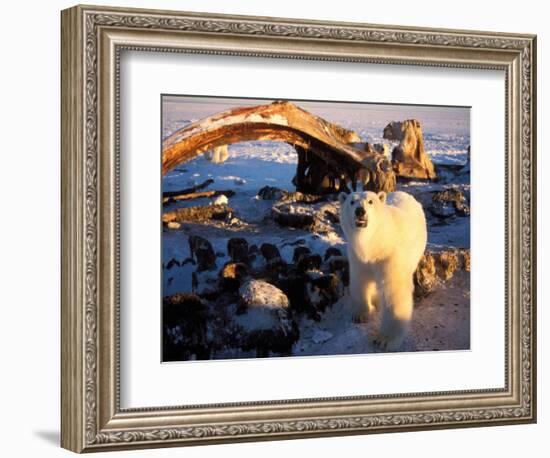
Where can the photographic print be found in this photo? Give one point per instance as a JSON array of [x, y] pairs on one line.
[[307, 228]]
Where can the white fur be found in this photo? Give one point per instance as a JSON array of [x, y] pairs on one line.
[[383, 257], [218, 155], [220, 200]]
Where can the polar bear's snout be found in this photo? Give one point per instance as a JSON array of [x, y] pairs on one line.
[[361, 218]]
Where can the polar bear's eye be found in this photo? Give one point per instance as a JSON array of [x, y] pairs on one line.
[[370, 202]]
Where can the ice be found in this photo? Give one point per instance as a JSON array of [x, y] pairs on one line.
[[320, 336]]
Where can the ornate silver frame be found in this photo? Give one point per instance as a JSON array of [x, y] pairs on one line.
[[92, 39]]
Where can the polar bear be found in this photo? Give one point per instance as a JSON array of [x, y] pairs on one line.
[[386, 237], [218, 155]]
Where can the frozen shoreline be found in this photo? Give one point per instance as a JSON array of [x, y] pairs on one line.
[[441, 320]]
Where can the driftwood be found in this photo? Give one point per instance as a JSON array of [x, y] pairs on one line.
[[282, 195], [197, 195], [409, 157], [324, 149], [295, 220], [198, 214], [190, 190]]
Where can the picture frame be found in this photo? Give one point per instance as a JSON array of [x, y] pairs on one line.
[[93, 39]]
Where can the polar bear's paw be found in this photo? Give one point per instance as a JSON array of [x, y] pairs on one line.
[[359, 318], [361, 313], [389, 343]]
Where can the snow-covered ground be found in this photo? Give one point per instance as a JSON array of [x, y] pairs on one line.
[[253, 165]]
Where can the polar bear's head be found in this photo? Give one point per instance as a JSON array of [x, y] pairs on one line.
[[360, 211]]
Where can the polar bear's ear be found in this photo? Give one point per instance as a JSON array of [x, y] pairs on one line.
[[382, 196], [342, 197]]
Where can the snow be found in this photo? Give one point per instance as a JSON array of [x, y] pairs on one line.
[[258, 319], [220, 200], [320, 336], [439, 324], [252, 165]]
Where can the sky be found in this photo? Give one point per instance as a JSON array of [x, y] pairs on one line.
[[432, 118]]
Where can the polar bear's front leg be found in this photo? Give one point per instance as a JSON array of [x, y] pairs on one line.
[[362, 301], [397, 313], [363, 295]]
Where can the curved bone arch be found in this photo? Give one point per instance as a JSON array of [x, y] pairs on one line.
[[283, 121]]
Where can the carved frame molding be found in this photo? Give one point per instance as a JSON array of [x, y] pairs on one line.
[[92, 40]]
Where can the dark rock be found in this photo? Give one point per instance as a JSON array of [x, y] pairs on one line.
[[311, 292], [270, 251], [278, 340], [292, 284], [446, 264], [332, 217], [173, 262], [309, 262], [425, 277], [271, 193], [184, 325], [265, 323], [312, 218], [449, 195], [237, 249], [339, 265], [303, 198], [254, 255], [284, 217], [462, 209], [439, 267], [321, 291], [275, 263], [464, 256], [299, 252], [443, 209], [202, 251], [331, 251], [178, 301], [267, 333], [449, 202], [205, 283], [232, 275]]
